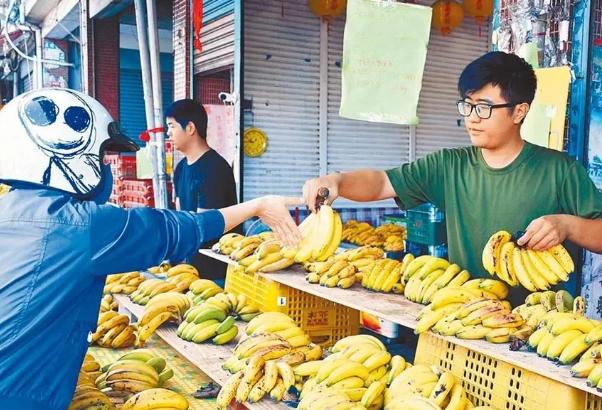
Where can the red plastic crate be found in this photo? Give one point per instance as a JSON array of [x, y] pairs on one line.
[[144, 186]]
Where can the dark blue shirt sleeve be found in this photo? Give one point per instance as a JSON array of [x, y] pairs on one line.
[[126, 240]]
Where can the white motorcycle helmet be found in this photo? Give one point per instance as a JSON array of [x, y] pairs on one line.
[[57, 137]]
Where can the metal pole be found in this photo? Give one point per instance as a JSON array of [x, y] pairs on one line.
[[158, 140], [140, 8], [38, 67], [83, 41], [238, 89]]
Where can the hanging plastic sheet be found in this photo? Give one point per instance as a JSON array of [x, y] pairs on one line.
[[384, 52]]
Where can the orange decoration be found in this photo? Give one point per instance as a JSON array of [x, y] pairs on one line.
[[327, 9], [479, 9], [447, 15]]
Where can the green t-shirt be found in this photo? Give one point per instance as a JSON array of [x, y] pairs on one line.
[[479, 200]]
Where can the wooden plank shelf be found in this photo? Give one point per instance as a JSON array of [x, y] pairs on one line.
[[397, 309], [207, 357]]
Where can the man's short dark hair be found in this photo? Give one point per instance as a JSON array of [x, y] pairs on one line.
[[512, 74], [187, 110]]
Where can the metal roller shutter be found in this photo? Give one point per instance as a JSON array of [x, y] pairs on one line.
[[217, 37], [281, 76]]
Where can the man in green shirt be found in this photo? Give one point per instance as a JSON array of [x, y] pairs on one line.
[[501, 182]]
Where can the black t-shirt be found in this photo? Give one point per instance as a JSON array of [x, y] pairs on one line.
[[208, 183]]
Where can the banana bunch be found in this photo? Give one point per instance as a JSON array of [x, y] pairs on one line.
[[426, 275], [332, 272], [394, 243], [538, 304], [132, 373], [490, 319], [321, 232], [269, 256], [361, 256], [114, 330], [183, 279], [108, 303], [150, 288], [385, 275], [426, 387], [205, 322], [87, 396], [91, 367], [202, 289], [242, 307], [160, 309], [152, 399], [160, 269], [239, 247], [123, 282], [534, 270], [257, 379], [565, 336], [589, 367], [281, 325]]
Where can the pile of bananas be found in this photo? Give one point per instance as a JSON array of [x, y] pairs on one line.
[[426, 275], [123, 282], [202, 289], [262, 362], [357, 371], [426, 387], [389, 236], [534, 270], [538, 304], [394, 243], [565, 336], [155, 399], [161, 269], [160, 309], [114, 330], [134, 372], [88, 396], [205, 322], [108, 303], [332, 272]]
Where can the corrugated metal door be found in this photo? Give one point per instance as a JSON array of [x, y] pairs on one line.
[[281, 76], [446, 58], [357, 144], [131, 100], [217, 37]]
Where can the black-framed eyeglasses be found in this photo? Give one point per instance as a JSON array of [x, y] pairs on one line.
[[483, 110]]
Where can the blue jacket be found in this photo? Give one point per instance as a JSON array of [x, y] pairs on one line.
[[55, 252]]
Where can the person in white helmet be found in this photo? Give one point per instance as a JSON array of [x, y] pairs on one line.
[[58, 240]]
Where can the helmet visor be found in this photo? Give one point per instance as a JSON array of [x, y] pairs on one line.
[[118, 141]]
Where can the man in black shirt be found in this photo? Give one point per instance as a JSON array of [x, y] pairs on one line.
[[202, 180]]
